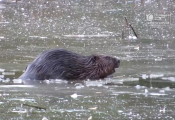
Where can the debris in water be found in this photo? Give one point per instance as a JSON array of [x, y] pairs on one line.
[[126, 24], [90, 118], [34, 106], [74, 95], [133, 31], [44, 118], [146, 91], [136, 48], [94, 108], [163, 110]]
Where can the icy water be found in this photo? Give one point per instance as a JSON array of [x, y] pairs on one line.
[[141, 88]]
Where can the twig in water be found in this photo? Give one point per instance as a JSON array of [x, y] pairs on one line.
[[133, 30], [34, 106], [126, 21], [123, 34], [128, 24]]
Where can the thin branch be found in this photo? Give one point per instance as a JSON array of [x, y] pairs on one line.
[[133, 30], [34, 106]]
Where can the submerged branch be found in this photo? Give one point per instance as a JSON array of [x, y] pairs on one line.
[[34, 106]]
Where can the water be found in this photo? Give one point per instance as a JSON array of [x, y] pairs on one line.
[[141, 88]]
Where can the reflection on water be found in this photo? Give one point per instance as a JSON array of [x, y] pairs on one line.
[[143, 86]]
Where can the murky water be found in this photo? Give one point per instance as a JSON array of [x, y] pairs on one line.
[[143, 86]]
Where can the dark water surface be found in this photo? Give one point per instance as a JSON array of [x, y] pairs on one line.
[[143, 86]]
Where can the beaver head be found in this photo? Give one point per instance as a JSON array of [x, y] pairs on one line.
[[99, 67]]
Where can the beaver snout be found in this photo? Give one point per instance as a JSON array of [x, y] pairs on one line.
[[117, 63]]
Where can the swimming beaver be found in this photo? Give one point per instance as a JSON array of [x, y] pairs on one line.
[[67, 65]]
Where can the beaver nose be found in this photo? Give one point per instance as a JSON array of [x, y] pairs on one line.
[[118, 61]]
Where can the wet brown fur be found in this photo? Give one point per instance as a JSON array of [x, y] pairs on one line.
[[67, 65]]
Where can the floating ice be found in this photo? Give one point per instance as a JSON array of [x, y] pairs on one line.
[[17, 81], [42, 37], [156, 75], [1, 76], [139, 87], [136, 47], [22, 99], [95, 83], [144, 76], [167, 88], [146, 91], [1, 102], [168, 78], [19, 111], [162, 91], [44, 118], [4, 22], [163, 110], [47, 81], [2, 70], [157, 94], [120, 111], [131, 37], [79, 87], [1, 37], [158, 59], [93, 108], [75, 95], [8, 73], [90, 118]]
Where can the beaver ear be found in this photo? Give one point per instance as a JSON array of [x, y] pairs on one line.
[[95, 58]]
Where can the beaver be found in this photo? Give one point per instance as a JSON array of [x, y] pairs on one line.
[[67, 65]]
